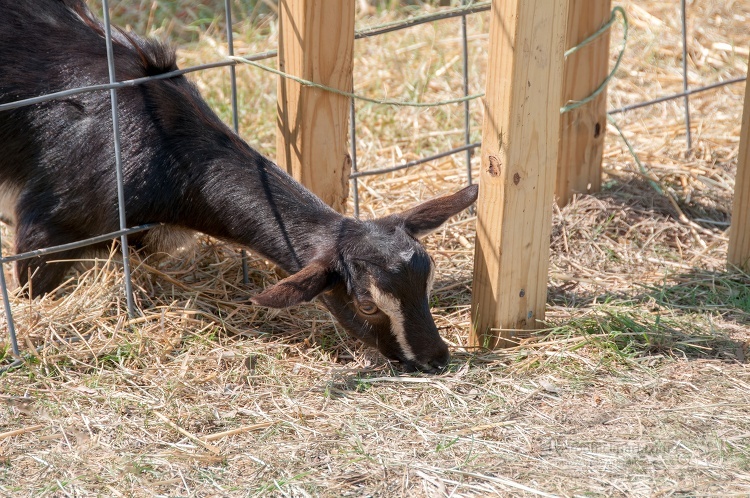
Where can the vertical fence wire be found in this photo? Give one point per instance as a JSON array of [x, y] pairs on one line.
[[467, 110], [6, 304], [235, 113], [118, 160], [688, 135], [353, 133]]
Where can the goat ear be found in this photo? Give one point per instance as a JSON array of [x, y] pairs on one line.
[[303, 286], [428, 216]]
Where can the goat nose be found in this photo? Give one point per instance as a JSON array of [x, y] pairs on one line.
[[440, 361]]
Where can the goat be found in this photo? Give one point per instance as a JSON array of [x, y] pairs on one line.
[[183, 167]]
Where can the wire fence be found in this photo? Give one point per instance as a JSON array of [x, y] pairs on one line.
[[468, 8]]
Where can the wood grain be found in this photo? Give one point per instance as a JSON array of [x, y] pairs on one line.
[[518, 165], [582, 130], [316, 43], [738, 253]]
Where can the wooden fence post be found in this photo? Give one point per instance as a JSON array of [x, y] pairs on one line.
[[582, 130], [519, 160], [316, 43], [738, 253]]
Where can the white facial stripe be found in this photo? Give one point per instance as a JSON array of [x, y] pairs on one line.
[[8, 196], [389, 305], [430, 280]]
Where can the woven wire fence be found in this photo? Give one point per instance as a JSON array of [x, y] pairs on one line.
[[470, 7]]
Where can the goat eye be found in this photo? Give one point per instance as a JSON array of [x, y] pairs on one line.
[[367, 307]]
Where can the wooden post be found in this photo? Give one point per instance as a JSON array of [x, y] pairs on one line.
[[316, 43], [738, 253], [582, 130], [519, 158]]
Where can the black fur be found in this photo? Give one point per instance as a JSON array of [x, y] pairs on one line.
[[182, 166]]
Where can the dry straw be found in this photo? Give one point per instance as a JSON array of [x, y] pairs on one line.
[[638, 386]]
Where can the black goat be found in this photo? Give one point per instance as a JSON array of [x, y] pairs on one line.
[[185, 168]]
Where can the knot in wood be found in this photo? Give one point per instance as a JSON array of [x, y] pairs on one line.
[[494, 167]]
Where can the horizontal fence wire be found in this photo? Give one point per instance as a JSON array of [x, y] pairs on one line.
[[397, 167], [130, 83], [570, 106], [676, 96], [365, 33], [52, 250], [471, 8], [78, 244]]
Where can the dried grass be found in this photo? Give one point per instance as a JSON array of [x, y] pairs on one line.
[[637, 387]]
